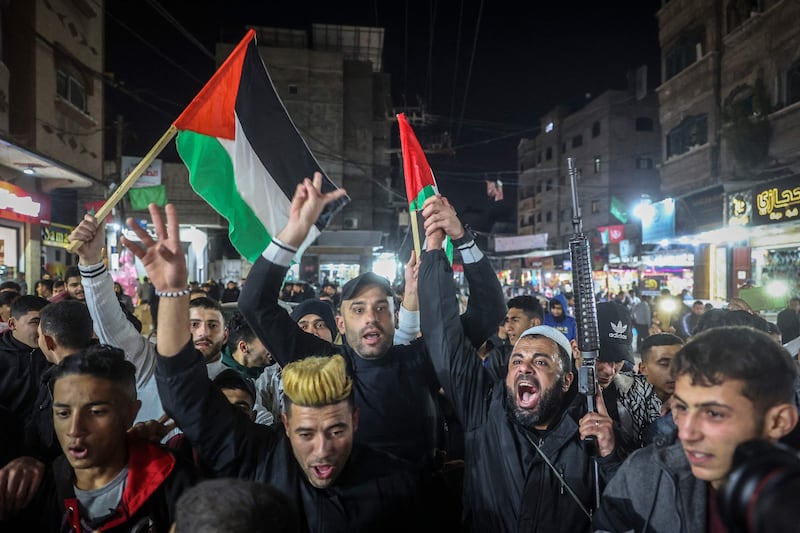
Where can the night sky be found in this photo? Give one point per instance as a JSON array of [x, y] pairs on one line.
[[528, 58]]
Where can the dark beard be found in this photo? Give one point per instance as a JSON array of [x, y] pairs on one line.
[[544, 412]]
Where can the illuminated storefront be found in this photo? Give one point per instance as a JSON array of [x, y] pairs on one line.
[[20, 211], [772, 213]]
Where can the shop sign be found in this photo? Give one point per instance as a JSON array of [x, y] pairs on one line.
[[740, 208], [520, 242], [651, 285], [777, 202], [18, 204], [56, 235], [611, 234], [663, 224], [150, 177]]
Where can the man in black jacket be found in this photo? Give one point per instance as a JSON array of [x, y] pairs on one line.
[[395, 385], [339, 485], [526, 466], [21, 361]]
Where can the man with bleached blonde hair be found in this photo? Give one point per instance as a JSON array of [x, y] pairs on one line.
[[339, 485]]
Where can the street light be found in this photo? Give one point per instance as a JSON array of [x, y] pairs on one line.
[[645, 211]]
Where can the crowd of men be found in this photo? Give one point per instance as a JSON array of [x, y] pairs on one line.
[[354, 412]]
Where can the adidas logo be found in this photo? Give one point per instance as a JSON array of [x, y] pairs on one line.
[[618, 331]]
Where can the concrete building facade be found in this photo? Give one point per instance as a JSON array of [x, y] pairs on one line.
[[614, 140], [730, 117], [51, 125]]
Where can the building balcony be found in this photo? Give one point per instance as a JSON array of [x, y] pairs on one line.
[[689, 171]]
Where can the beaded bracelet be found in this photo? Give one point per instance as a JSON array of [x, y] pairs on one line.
[[176, 294]]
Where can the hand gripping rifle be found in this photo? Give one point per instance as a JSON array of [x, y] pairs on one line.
[[588, 336]]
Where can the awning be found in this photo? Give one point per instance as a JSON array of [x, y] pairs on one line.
[[54, 174]]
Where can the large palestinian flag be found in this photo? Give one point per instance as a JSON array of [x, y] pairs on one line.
[[244, 154]]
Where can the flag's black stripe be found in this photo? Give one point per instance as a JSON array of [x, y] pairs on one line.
[[273, 136]]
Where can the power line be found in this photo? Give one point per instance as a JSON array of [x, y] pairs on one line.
[[178, 26], [455, 63], [154, 48], [469, 71]]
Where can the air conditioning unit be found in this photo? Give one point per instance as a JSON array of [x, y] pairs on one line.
[[350, 222]]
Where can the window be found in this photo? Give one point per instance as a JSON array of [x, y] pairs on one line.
[[577, 141], [292, 88], [563, 148], [71, 89], [539, 157], [644, 163], [539, 217], [595, 129], [549, 153], [597, 164], [687, 50], [539, 186], [644, 124], [595, 206], [549, 185], [693, 131], [549, 216]]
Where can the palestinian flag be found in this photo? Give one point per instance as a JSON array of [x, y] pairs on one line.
[[244, 154], [420, 183]]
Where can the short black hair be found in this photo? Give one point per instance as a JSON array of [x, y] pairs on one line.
[[741, 353], [228, 505], [72, 272], [715, 318], [10, 285], [101, 361], [239, 330], [204, 302], [69, 322], [8, 297], [530, 305], [23, 305], [659, 339], [47, 283]]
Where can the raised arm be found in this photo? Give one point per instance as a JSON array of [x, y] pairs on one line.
[[458, 367], [110, 323], [408, 314], [486, 306], [258, 301], [224, 437]]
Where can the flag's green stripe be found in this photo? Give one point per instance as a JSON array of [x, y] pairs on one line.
[[424, 194], [212, 177], [416, 205]]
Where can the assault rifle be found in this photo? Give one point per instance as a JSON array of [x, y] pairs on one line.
[[588, 335]]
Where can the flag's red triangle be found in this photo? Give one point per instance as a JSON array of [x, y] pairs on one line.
[[212, 110], [417, 171]]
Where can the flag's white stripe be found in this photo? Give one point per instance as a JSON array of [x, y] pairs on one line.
[[258, 189]]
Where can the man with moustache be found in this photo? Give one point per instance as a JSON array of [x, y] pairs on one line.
[[106, 479], [526, 466], [209, 332], [395, 385]]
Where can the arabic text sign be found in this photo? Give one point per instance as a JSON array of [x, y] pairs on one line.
[[778, 201], [151, 176]]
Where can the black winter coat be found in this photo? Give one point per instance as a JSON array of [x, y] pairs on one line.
[[507, 485], [21, 370], [376, 492]]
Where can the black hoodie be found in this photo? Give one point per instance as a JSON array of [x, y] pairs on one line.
[[21, 369]]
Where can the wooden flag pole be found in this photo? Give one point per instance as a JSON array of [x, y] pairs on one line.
[[415, 233], [125, 186]]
